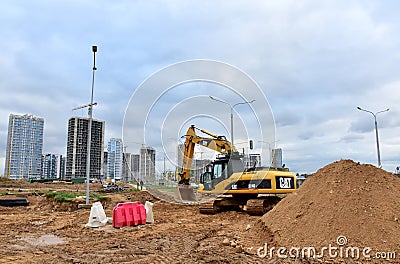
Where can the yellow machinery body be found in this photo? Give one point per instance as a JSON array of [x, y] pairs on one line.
[[264, 181], [255, 190]]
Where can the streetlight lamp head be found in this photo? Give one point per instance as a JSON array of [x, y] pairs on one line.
[[94, 48], [376, 131]]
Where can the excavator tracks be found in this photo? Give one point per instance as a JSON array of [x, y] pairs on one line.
[[260, 206], [222, 204], [208, 208], [257, 206]]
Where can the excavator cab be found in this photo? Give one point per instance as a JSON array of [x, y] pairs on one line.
[[221, 169]]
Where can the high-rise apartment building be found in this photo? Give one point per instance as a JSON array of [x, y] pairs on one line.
[[115, 158], [104, 166], [277, 158], [147, 164], [130, 168], [252, 160], [62, 167], [135, 164], [53, 166], [77, 148], [126, 172], [179, 156], [24, 147]]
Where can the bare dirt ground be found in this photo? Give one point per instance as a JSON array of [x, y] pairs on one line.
[[52, 232], [355, 202]]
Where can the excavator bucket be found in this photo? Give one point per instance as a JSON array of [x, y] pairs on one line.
[[185, 193]]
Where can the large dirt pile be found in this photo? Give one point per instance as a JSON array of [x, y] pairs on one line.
[[345, 198]]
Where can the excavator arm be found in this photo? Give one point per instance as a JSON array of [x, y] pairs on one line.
[[214, 142]]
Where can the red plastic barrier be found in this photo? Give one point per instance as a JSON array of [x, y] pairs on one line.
[[129, 214]]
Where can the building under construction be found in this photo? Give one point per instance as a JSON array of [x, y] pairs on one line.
[[147, 164], [77, 148]]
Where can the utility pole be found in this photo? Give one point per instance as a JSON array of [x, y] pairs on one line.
[[90, 114]]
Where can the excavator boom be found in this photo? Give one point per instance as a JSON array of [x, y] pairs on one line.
[[214, 142], [217, 143]]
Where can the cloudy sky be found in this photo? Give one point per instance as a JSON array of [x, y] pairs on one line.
[[315, 61]]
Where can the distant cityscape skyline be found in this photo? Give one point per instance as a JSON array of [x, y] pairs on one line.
[[109, 160], [25, 157]]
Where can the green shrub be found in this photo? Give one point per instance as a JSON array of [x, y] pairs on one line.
[[65, 196], [70, 197], [98, 197], [48, 194]]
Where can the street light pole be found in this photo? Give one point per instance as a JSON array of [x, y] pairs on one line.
[[164, 166], [90, 114], [94, 49], [232, 138], [231, 107], [376, 130]]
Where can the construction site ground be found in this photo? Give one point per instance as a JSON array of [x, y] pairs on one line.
[[51, 232], [345, 205]]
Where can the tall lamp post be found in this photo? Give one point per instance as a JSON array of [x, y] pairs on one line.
[[231, 107], [90, 114], [376, 130]]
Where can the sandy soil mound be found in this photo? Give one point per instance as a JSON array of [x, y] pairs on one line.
[[345, 198]]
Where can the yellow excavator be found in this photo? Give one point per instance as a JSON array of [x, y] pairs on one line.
[[255, 190]]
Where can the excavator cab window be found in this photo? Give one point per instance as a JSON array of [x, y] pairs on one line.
[[206, 177], [206, 180], [220, 171]]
